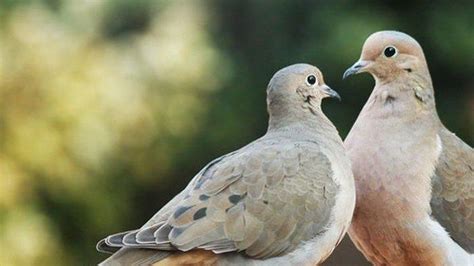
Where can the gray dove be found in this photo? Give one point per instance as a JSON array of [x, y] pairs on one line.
[[285, 198], [414, 178]]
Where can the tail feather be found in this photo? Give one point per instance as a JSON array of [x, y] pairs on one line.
[[116, 240], [135, 256], [130, 239], [146, 235], [102, 246]]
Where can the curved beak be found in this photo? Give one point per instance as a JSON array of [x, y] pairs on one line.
[[330, 92], [358, 67]]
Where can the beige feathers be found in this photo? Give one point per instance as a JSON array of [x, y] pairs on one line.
[[415, 179], [267, 199]]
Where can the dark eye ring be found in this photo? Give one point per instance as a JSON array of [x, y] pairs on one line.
[[390, 51], [311, 80]]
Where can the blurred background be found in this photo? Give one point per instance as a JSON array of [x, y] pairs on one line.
[[108, 108]]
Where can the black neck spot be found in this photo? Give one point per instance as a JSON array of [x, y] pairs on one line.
[[389, 99]]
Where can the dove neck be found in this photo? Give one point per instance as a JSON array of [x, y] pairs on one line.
[[307, 120], [409, 92]]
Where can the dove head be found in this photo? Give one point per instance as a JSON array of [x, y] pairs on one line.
[[390, 55], [295, 93]]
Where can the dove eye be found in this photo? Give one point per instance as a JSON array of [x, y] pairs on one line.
[[390, 51], [311, 80]]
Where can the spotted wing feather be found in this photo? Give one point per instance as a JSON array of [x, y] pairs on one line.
[[263, 200]]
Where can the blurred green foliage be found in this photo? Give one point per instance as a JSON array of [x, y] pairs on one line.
[[108, 108]]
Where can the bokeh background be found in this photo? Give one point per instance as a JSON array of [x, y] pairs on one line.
[[108, 108]]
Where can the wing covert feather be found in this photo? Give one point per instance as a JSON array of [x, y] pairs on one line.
[[452, 200], [264, 200]]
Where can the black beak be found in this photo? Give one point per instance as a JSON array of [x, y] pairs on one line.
[[330, 92], [354, 69]]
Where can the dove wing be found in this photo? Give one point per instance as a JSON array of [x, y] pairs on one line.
[[452, 200], [113, 243], [264, 199]]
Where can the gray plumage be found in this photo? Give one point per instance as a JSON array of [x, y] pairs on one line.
[[453, 189], [266, 199]]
